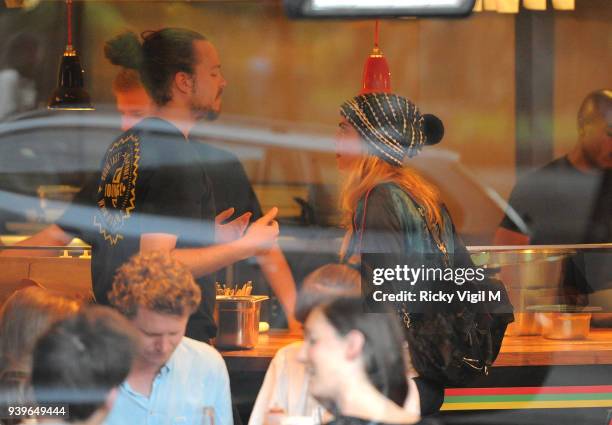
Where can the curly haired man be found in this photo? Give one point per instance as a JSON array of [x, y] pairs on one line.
[[173, 377]]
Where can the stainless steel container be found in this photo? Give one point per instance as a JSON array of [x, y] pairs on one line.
[[532, 276], [237, 319], [564, 325], [525, 323], [529, 268], [564, 321]]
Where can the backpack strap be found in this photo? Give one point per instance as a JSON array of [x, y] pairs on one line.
[[363, 217]]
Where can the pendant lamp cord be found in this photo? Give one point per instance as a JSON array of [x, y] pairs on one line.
[[375, 34], [69, 15]]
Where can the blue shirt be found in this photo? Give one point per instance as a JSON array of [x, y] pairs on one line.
[[195, 377]]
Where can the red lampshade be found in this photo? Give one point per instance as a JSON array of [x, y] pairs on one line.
[[376, 74]]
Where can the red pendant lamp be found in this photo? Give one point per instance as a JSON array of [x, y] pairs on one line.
[[376, 74]]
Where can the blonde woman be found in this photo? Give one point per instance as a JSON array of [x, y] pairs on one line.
[[387, 208]]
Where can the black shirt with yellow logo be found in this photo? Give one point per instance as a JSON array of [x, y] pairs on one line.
[[152, 181]]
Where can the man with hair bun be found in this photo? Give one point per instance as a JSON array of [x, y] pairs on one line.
[[173, 376], [153, 192], [232, 190]]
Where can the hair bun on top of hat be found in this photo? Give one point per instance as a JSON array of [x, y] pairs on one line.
[[434, 129], [124, 50]]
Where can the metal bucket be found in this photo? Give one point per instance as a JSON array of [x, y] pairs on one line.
[[532, 276], [536, 275], [530, 268], [237, 319]]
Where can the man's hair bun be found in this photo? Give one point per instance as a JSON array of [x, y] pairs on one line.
[[124, 50], [434, 129]]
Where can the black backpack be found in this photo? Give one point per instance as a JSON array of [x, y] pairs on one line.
[[460, 343], [455, 346]]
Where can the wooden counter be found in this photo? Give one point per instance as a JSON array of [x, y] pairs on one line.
[[259, 358], [522, 388], [538, 351], [70, 275], [515, 351]]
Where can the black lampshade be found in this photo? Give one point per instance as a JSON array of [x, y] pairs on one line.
[[69, 94]]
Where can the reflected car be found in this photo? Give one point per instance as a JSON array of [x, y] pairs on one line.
[[45, 157]]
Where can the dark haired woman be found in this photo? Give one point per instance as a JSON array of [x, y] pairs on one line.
[[356, 365], [26, 315], [284, 391]]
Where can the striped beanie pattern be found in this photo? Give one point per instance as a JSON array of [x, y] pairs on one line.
[[392, 125]]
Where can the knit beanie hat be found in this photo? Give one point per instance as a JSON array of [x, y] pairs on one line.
[[391, 125]]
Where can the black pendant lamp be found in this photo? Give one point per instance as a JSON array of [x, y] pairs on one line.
[[69, 94]]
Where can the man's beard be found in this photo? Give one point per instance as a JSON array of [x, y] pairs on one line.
[[212, 115], [207, 112], [204, 112]]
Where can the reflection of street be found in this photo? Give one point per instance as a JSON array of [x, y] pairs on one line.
[[282, 160]]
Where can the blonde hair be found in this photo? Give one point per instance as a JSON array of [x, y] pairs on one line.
[[155, 281], [25, 316], [369, 172]]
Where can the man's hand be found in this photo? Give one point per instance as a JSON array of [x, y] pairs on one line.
[[228, 232], [261, 236]]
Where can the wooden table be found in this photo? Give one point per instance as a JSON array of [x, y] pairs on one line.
[[258, 359], [515, 351]]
